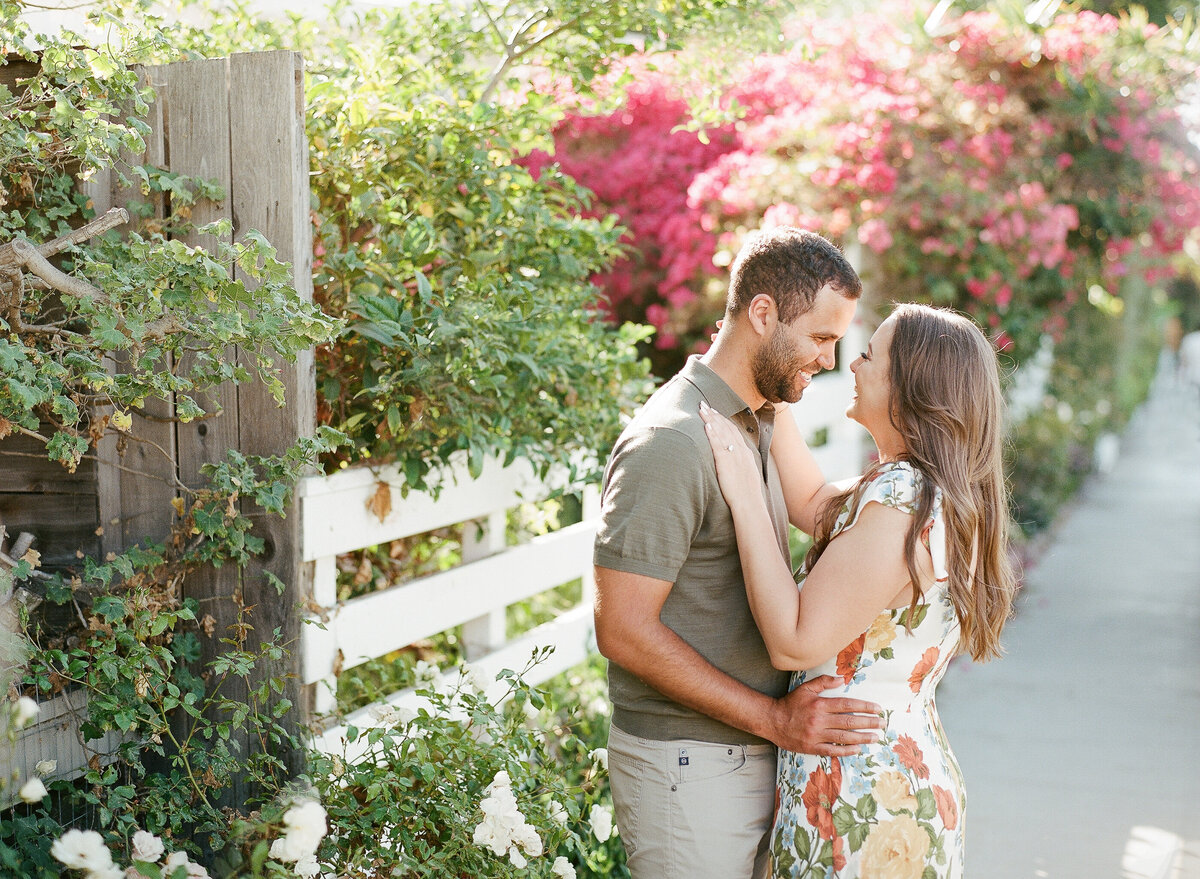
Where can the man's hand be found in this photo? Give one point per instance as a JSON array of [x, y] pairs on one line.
[[809, 723]]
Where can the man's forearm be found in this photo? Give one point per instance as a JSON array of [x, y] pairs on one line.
[[670, 665]]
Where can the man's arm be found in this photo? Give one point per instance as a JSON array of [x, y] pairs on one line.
[[805, 490], [630, 633]]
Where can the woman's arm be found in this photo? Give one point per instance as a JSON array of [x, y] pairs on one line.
[[860, 573]]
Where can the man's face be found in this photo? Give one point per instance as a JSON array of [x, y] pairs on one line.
[[787, 361]]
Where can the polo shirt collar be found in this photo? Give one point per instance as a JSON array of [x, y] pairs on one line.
[[716, 392]]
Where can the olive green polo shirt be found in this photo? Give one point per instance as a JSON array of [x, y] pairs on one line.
[[663, 516]]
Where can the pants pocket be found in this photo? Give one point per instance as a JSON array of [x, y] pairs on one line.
[[696, 762]]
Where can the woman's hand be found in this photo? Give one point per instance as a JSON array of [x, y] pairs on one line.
[[737, 466]]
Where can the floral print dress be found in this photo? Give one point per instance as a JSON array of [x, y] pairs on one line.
[[895, 811]]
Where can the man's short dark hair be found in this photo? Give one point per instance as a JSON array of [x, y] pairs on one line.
[[791, 266]]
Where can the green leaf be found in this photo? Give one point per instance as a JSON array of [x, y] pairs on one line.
[[110, 607], [866, 806], [475, 460], [857, 835], [424, 290], [926, 804], [843, 819]]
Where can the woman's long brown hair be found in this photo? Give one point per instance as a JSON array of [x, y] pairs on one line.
[[947, 404]]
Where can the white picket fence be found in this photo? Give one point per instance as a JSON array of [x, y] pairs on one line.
[[337, 518]]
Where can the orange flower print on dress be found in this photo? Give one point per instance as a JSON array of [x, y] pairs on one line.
[[923, 667], [819, 797], [839, 853], [947, 807], [909, 754], [850, 658]]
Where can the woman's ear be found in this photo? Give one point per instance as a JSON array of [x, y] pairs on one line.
[[762, 314]]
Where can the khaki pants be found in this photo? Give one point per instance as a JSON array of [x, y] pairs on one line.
[[692, 810]]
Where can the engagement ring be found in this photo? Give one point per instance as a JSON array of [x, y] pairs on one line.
[[729, 448]]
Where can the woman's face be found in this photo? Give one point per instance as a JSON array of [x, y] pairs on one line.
[[871, 404]]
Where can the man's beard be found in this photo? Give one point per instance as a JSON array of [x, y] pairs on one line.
[[774, 368]]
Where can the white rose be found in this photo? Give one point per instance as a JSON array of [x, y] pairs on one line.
[[176, 860], [602, 822], [289, 848], [404, 716], [600, 755], [307, 867], [490, 836], [307, 816], [45, 767], [558, 813], [113, 872], [562, 868], [385, 714], [82, 850], [474, 677], [33, 791], [426, 673], [24, 712], [147, 847], [527, 838], [304, 828]]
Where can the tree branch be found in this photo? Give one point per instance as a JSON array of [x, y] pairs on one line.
[[33, 260], [110, 220], [513, 51]]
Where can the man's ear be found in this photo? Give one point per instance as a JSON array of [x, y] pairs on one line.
[[762, 314]]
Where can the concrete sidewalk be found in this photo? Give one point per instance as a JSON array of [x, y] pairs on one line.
[[1081, 748]]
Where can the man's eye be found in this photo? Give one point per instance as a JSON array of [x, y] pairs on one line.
[[863, 355]]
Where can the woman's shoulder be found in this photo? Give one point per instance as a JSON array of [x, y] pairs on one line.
[[894, 484]]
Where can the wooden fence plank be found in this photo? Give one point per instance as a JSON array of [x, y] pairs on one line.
[[145, 486], [269, 170], [485, 633], [27, 469], [571, 634], [376, 624], [337, 519], [61, 524], [197, 117], [53, 736]]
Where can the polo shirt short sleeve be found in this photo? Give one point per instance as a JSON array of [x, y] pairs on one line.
[[653, 504]]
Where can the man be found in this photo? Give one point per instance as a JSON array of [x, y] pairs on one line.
[[697, 707]]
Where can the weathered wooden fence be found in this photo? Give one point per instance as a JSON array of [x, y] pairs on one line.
[[238, 122]]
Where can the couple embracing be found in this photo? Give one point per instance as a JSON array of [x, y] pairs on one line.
[[771, 723]]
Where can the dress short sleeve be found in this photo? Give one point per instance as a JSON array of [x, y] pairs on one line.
[[898, 486]]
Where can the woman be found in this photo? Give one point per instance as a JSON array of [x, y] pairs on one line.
[[908, 567]]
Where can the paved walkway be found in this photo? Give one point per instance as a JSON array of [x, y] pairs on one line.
[[1081, 748]]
